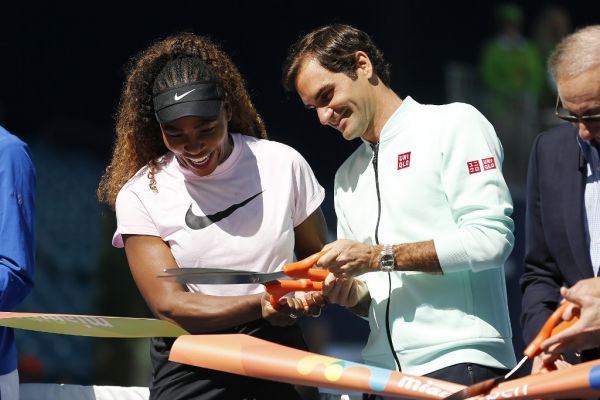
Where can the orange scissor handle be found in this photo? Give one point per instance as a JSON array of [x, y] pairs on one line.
[[278, 289], [317, 274], [551, 327], [302, 269]]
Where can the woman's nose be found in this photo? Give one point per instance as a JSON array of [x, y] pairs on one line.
[[193, 145]]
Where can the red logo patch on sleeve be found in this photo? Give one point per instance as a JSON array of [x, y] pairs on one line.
[[488, 163], [473, 167], [404, 160]]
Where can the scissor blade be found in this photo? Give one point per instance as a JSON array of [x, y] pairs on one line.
[[229, 277], [552, 326], [197, 271]]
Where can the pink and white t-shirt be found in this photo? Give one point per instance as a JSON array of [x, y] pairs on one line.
[[242, 216]]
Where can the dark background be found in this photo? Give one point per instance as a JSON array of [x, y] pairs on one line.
[[62, 62], [61, 73]]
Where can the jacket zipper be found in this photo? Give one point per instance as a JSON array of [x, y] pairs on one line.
[[375, 148]]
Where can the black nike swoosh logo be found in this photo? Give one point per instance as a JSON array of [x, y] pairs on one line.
[[200, 222]]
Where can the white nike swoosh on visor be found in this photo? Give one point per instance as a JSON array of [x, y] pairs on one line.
[[177, 98]]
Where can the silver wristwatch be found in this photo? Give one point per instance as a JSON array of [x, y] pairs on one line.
[[386, 259]]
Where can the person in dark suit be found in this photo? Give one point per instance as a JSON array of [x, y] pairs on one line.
[[563, 187]]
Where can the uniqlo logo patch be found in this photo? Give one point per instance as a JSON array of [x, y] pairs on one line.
[[488, 163], [473, 167], [404, 160]]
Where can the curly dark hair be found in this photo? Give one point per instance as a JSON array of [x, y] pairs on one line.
[[334, 47], [167, 63]]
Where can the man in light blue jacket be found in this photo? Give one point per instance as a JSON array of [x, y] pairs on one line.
[[423, 215]]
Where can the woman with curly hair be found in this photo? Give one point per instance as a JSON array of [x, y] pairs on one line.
[[195, 183]]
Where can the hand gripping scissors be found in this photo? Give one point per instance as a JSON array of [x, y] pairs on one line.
[[299, 276]]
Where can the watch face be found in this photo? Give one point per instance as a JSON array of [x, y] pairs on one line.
[[386, 263]]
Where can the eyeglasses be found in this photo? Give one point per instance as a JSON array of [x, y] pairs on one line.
[[563, 114]]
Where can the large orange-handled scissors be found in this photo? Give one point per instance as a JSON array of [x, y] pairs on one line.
[[299, 276], [553, 325]]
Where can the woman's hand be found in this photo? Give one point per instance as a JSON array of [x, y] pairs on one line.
[[313, 302], [290, 308], [287, 312]]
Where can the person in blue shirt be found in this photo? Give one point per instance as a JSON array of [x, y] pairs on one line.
[[17, 246]]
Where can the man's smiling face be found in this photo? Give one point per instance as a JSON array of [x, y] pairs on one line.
[[340, 102]]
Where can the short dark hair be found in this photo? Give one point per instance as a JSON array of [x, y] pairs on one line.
[[334, 47]]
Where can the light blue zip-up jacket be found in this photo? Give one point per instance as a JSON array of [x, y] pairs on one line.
[[440, 179]]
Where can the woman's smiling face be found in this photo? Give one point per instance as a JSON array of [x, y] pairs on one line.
[[199, 145]]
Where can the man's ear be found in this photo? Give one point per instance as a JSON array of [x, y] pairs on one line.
[[363, 64]]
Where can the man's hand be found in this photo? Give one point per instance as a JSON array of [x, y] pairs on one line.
[[585, 333], [347, 292], [347, 258]]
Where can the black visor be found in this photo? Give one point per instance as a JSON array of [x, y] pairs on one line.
[[198, 99]]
